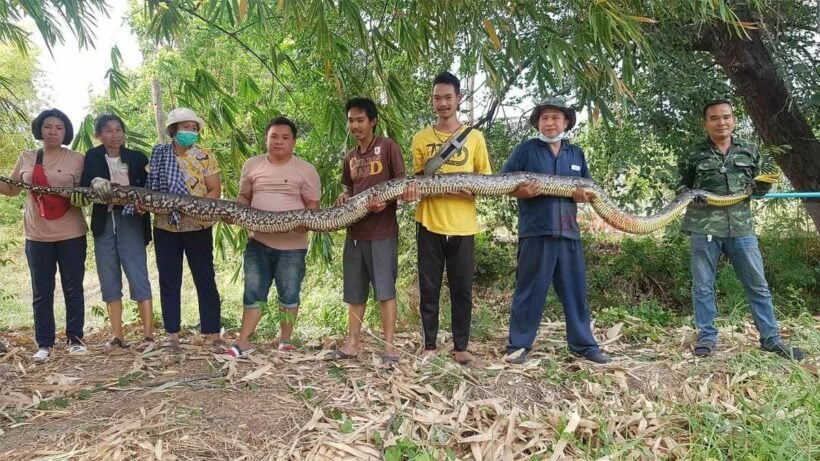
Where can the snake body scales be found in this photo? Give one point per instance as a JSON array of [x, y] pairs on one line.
[[340, 217]]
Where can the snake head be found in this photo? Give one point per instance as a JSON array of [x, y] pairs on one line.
[[698, 196]]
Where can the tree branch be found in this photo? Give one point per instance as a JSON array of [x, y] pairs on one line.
[[498, 98]]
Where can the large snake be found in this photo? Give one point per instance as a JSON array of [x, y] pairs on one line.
[[339, 217]]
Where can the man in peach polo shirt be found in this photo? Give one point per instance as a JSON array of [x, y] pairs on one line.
[[276, 181]]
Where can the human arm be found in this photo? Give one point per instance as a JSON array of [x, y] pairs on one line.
[[347, 184], [245, 195], [582, 195], [17, 175]]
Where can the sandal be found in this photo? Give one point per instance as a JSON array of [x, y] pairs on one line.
[[287, 346], [115, 343], [339, 354], [236, 352], [146, 343], [705, 348], [171, 343]]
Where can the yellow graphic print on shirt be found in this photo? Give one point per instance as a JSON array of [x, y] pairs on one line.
[[444, 214], [361, 166], [195, 164]]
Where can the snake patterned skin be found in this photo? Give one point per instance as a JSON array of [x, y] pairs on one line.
[[340, 217]]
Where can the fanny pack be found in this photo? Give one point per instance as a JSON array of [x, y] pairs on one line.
[[50, 206]]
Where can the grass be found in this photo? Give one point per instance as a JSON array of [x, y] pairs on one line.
[[777, 405], [781, 422]]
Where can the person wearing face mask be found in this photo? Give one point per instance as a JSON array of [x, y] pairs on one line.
[[182, 167], [54, 230], [120, 233], [549, 240]]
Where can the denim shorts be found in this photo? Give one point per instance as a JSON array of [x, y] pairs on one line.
[[370, 262], [263, 266], [121, 247]]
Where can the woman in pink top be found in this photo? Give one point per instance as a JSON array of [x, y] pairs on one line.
[[54, 230]]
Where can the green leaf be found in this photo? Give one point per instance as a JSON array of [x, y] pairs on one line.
[[346, 427]]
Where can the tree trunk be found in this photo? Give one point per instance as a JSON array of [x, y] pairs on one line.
[[778, 120], [159, 113]]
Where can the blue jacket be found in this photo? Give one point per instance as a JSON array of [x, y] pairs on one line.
[[542, 215]]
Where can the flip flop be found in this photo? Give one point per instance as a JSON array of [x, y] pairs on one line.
[[172, 344], [237, 352], [145, 344], [114, 344], [338, 354], [390, 361], [286, 346]]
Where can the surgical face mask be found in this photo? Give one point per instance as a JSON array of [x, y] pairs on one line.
[[549, 140], [186, 138]]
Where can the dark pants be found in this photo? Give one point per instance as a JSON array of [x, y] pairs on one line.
[[542, 260], [43, 260], [435, 252], [198, 248]]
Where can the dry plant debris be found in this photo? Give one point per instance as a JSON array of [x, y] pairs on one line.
[[196, 404]]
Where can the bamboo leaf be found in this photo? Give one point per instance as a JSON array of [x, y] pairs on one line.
[[644, 19], [242, 11], [490, 30]]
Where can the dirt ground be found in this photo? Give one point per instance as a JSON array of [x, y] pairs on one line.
[[195, 404]]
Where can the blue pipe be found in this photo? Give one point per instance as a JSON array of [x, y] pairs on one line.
[[772, 195]]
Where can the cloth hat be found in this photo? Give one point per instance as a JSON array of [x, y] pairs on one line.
[[183, 114], [553, 103]]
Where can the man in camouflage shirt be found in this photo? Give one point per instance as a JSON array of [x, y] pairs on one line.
[[724, 165]]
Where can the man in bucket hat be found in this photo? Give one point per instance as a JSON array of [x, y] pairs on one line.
[[549, 241]]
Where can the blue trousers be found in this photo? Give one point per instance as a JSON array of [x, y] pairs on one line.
[[541, 261], [121, 247], [43, 260], [744, 254]]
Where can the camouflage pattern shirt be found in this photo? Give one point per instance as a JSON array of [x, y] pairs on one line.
[[704, 166]]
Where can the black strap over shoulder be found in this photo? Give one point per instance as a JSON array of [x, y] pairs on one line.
[[453, 144]]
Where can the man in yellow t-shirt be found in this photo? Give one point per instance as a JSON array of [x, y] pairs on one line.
[[447, 223]]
